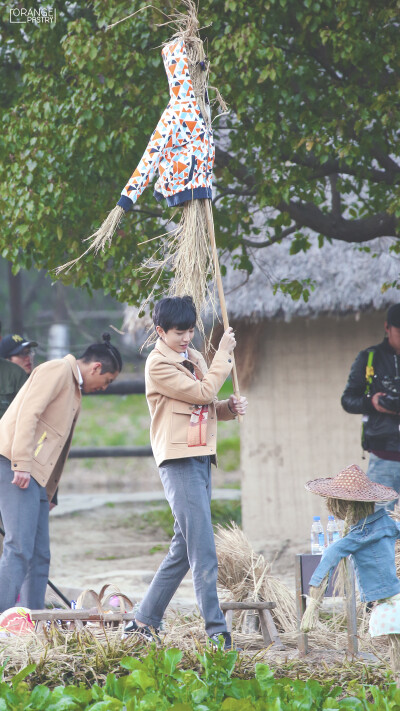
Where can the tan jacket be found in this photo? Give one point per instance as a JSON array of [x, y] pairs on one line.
[[172, 392], [36, 430]]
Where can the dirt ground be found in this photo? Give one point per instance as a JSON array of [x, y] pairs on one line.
[[98, 537], [109, 543]]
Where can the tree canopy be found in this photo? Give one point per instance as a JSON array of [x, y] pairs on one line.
[[310, 144]]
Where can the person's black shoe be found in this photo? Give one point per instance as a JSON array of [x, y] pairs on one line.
[[150, 634], [216, 638]]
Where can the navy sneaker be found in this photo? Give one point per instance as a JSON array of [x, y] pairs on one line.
[[150, 634], [216, 637]]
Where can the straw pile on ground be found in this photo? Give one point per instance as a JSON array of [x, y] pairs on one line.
[[245, 575], [87, 656]]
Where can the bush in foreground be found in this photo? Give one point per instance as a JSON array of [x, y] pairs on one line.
[[156, 682]]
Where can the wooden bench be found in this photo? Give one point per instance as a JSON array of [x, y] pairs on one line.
[[78, 617], [268, 628]]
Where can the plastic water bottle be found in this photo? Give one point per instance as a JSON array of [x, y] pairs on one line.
[[317, 536], [332, 530]]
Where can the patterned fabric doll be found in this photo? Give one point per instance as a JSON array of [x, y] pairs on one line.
[[181, 147], [369, 538]]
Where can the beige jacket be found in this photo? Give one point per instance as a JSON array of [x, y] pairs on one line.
[[36, 430], [172, 392]]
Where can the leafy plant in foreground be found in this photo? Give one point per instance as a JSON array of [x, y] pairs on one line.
[[156, 682]]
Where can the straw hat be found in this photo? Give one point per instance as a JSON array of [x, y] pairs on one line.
[[351, 484]]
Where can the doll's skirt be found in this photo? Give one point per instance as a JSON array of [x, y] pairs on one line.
[[385, 617]]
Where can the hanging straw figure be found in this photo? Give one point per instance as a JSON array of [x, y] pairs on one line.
[[369, 537], [181, 149]]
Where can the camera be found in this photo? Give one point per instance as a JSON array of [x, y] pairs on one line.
[[391, 399]]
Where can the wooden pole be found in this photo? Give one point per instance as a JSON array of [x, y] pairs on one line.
[[217, 271], [351, 609]]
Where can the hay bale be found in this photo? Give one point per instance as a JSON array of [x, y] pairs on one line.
[[245, 575]]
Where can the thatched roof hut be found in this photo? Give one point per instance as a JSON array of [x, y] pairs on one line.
[[347, 280], [293, 360]]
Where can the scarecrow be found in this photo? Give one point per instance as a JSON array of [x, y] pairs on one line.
[[181, 150], [369, 537]]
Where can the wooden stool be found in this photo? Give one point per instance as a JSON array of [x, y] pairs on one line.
[[268, 628]]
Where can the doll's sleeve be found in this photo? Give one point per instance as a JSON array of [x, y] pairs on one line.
[[149, 162], [332, 556]]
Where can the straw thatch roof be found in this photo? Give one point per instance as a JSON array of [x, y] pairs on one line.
[[346, 279]]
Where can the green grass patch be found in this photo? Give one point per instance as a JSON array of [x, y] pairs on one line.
[[222, 512], [228, 451], [158, 548], [113, 420]]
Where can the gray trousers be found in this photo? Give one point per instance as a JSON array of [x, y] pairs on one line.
[[187, 486], [24, 565]]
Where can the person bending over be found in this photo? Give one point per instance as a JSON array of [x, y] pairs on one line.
[[35, 438]]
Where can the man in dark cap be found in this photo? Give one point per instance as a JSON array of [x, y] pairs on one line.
[[18, 350], [373, 390], [12, 378]]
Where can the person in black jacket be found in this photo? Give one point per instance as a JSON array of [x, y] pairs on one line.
[[373, 390]]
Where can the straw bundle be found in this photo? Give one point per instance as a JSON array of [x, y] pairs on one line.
[[187, 253], [99, 239], [311, 615], [247, 576]]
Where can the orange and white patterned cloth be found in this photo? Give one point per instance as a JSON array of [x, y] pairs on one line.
[[181, 147], [385, 617]]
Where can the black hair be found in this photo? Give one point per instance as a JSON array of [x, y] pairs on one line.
[[175, 312], [107, 354]]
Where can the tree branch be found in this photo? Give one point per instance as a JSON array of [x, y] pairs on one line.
[[273, 240], [308, 215], [336, 166]]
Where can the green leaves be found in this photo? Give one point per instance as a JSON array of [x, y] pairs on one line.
[[311, 92], [156, 681]]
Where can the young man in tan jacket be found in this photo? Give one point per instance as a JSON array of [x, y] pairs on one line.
[[35, 438], [182, 398]]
